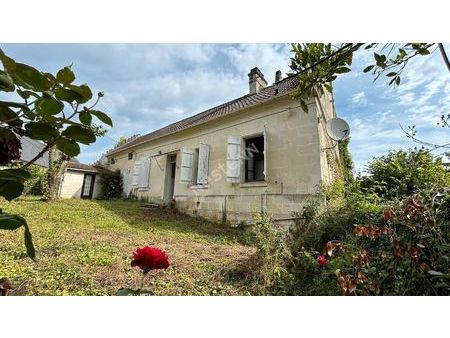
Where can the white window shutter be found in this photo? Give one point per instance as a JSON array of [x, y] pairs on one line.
[[187, 161], [136, 173], [265, 153], [203, 165], [144, 173], [233, 159]]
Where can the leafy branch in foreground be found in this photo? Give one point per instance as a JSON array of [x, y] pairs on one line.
[[45, 107], [317, 65]]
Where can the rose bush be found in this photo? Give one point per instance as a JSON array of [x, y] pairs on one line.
[[147, 258]]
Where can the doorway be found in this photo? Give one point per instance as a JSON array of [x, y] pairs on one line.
[[170, 176], [88, 186]]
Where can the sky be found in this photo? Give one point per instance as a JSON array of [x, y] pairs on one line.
[[148, 86]]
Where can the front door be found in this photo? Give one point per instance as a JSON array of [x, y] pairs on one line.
[[88, 186], [170, 177]]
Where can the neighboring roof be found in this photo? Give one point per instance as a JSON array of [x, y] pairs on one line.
[[278, 89], [80, 167], [30, 148]]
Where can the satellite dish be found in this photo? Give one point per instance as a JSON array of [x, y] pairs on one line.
[[338, 129]]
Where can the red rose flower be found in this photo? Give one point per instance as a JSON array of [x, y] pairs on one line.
[[150, 258], [321, 260]]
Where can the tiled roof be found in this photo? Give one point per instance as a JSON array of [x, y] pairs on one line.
[[81, 166], [278, 89]]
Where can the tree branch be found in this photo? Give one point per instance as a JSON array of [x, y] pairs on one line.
[[444, 55], [354, 47], [41, 153]]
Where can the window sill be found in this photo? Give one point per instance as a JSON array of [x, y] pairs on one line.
[[198, 186], [253, 184]]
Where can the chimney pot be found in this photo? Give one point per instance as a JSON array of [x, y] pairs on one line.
[[256, 81], [278, 76]]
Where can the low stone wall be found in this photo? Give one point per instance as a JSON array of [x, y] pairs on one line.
[[240, 208]]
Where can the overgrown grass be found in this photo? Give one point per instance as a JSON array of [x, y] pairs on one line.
[[84, 248]]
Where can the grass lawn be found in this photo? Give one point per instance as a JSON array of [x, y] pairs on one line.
[[84, 248]]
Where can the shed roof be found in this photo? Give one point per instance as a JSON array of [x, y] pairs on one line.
[[81, 167]]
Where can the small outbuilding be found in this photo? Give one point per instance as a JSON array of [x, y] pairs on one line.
[[79, 181]]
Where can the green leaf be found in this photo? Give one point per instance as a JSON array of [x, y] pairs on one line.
[[67, 95], [6, 82], [41, 131], [85, 117], [28, 238], [11, 222], [16, 174], [68, 147], [368, 68], [48, 106], [397, 80], [8, 63], [304, 106], [25, 94], [391, 74], [65, 76], [10, 189], [31, 78], [7, 134], [102, 117], [342, 70], [7, 114], [79, 134], [84, 91]]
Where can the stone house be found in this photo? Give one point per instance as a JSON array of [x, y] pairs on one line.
[[259, 151]]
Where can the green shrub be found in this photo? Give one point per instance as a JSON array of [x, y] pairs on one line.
[[35, 184], [402, 173], [271, 258], [407, 253], [111, 184]]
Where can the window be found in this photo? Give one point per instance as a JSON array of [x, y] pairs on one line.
[[254, 159], [130, 156], [112, 160]]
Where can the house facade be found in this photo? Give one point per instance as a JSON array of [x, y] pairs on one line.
[[260, 151]]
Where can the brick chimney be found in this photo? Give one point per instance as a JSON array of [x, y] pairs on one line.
[[278, 76], [256, 81]]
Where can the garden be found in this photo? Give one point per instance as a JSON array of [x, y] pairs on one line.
[[386, 233]]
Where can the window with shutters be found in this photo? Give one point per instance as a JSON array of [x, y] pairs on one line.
[[254, 159]]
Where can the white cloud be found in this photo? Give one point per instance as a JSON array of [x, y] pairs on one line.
[[359, 99]]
